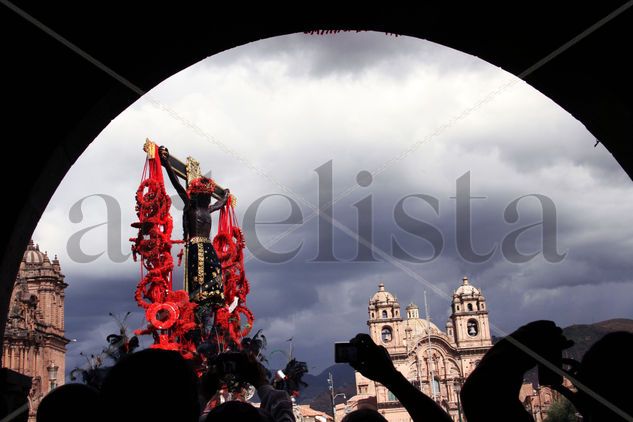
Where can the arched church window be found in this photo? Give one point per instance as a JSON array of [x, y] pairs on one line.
[[384, 314], [472, 328], [458, 307], [386, 335], [372, 315], [483, 305], [436, 387]]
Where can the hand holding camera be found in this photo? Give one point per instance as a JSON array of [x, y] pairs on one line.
[[235, 370], [366, 357], [523, 349]]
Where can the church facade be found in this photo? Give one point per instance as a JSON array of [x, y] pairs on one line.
[[34, 342], [435, 361]]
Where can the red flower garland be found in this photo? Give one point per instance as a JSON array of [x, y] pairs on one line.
[[229, 245], [153, 243]]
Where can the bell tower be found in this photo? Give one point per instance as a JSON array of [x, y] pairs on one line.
[[385, 321], [469, 318]]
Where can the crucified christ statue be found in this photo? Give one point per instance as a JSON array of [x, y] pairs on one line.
[[204, 272]]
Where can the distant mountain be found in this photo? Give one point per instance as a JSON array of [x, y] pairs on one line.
[[586, 335], [317, 393], [342, 374], [323, 401]]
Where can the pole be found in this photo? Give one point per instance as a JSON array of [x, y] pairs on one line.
[[290, 348], [459, 408], [330, 381], [428, 350]]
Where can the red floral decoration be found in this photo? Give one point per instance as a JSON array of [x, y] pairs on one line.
[[202, 185], [229, 245], [169, 313]]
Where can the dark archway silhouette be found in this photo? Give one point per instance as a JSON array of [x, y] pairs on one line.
[[56, 101]]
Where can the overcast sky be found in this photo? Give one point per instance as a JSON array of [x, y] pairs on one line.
[[419, 116]]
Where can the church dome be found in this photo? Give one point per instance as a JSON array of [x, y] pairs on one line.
[[411, 306], [33, 255], [421, 327], [466, 289], [382, 296]]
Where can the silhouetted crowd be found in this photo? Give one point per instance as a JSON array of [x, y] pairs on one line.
[[157, 385]]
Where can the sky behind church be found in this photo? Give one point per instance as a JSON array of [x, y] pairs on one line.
[[272, 117]]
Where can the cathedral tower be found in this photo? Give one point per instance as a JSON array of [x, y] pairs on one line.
[[385, 321], [468, 322], [34, 342]]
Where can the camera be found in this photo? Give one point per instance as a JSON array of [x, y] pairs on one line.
[[229, 367], [225, 364], [345, 353]]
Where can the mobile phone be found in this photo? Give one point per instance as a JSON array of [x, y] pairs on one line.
[[345, 353]]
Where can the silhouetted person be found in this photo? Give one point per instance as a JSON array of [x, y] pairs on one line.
[[69, 403], [238, 411], [150, 385], [491, 392], [364, 415], [607, 370], [276, 405], [375, 363]]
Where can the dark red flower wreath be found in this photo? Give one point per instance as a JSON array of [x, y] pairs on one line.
[[169, 313], [203, 185]]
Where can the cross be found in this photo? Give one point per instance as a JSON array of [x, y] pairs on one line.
[[182, 170]]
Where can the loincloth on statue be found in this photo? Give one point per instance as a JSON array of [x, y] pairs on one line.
[[204, 273]]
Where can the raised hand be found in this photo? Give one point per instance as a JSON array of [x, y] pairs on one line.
[[373, 361], [254, 372], [164, 154], [538, 339]]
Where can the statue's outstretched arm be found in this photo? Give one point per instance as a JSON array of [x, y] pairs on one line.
[[220, 202], [164, 160]]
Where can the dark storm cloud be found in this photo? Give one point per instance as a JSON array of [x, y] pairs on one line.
[[282, 294], [589, 262], [543, 141], [514, 305], [349, 54], [89, 301]]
